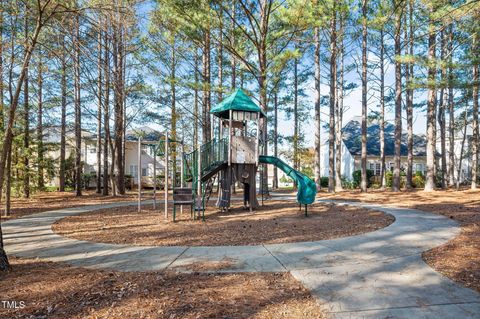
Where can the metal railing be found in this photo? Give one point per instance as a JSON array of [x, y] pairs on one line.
[[212, 154]]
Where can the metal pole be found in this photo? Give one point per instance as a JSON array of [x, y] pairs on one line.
[[139, 173], [199, 175], [166, 175], [154, 178]]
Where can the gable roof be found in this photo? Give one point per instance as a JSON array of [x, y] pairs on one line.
[[237, 101], [148, 134], [352, 137]]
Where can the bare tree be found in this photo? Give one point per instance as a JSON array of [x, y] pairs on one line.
[[333, 81], [99, 112], [443, 101], [63, 116], [475, 48], [382, 109], [364, 181], [318, 126], [409, 92], [398, 98], [42, 14], [339, 106], [431, 105], [40, 150], [26, 130], [451, 112], [78, 111]]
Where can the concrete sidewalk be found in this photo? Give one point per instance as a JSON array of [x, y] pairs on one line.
[[374, 275]]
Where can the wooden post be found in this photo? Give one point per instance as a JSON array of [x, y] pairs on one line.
[[181, 177], [199, 180], [139, 173], [154, 178], [166, 175], [230, 114], [256, 139]]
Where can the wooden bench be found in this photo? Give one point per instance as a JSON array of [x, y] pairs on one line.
[[183, 197]]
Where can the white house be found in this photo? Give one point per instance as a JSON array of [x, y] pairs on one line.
[[352, 145], [89, 153], [351, 150]]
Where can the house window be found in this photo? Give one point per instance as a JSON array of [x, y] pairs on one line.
[[419, 168], [144, 172], [375, 168], [134, 170]]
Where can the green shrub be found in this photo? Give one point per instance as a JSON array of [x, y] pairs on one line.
[[389, 178], [87, 178], [129, 180], [324, 181], [348, 183], [418, 181], [357, 177]]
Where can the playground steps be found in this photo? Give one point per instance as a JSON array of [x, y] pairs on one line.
[[209, 189]]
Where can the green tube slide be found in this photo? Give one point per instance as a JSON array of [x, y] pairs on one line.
[[306, 187]]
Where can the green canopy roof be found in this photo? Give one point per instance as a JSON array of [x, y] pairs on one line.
[[237, 101]]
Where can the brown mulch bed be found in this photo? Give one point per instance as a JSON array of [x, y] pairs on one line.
[[459, 259], [276, 222], [44, 201], [50, 290]]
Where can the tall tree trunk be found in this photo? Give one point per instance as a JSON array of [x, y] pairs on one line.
[[206, 89], [431, 106], [462, 147], [118, 105], [339, 110], [451, 112], [398, 100], [318, 125], [195, 102], [220, 63], [7, 142], [106, 113], [40, 150], [8, 184], [63, 119], [409, 93], [26, 130], [78, 114], [2, 106], [173, 127], [382, 110], [262, 81], [475, 48], [295, 118], [233, 59], [275, 137], [333, 81], [364, 179], [99, 115], [441, 113]]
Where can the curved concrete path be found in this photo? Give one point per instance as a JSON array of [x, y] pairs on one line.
[[375, 275]]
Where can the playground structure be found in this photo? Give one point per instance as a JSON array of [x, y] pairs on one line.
[[233, 156]]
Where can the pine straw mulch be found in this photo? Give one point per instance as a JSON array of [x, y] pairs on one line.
[[459, 259], [51, 290], [278, 221], [45, 201]]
